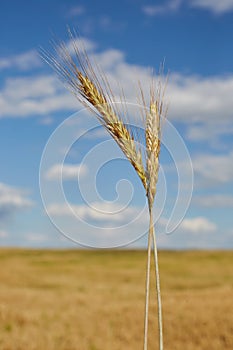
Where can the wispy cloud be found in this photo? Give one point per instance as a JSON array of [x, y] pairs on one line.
[[12, 199], [197, 233], [213, 168], [167, 7], [65, 172], [198, 225], [196, 101], [100, 224], [202, 99], [76, 11], [104, 212], [81, 43], [38, 95], [23, 62], [198, 131], [215, 6], [215, 201], [47, 120]]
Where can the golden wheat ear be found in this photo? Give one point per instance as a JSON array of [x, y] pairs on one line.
[[95, 93], [153, 124], [79, 76]]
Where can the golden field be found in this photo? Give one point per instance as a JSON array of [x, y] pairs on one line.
[[94, 300]]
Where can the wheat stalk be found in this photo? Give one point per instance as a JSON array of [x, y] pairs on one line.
[[152, 138], [81, 79]]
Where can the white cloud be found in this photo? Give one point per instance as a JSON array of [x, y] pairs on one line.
[[216, 6], [215, 201], [65, 172], [30, 87], [81, 43], [46, 121], [12, 199], [197, 99], [106, 22], [24, 61], [209, 132], [111, 60], [41, 95], [76, 11], [100, 224], [154, 10], [214, 168], [205, 105], [197, 225], [106, 211], [193, 99], [109, 24], [36, 237]]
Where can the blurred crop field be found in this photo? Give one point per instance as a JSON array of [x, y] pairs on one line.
[[94, 300]]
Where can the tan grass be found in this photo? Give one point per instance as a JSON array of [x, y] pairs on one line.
[[94, 300]]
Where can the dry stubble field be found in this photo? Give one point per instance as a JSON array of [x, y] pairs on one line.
[[94, 300]]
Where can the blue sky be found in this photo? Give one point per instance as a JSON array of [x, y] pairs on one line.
[[107, 208]]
